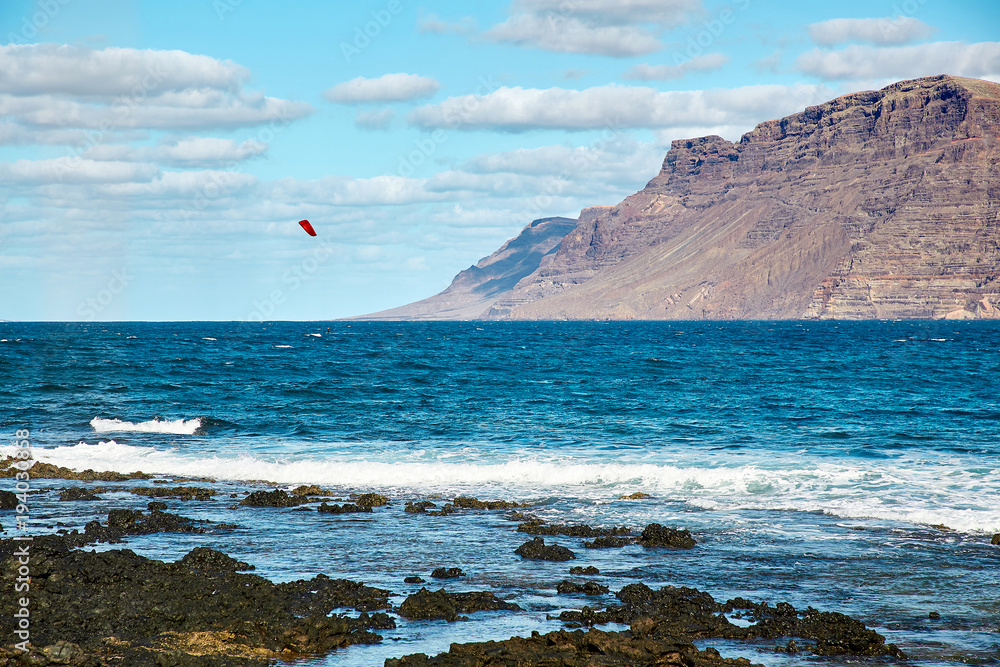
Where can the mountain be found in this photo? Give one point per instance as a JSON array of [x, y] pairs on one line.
[[476, 289], [879, 204]]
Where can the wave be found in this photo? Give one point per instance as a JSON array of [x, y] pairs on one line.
[[176, 427], [952, 492]]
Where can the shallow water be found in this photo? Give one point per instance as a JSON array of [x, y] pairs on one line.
[[812, 461]]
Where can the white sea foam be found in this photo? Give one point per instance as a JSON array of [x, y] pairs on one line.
[[956, 493], [177, 426]]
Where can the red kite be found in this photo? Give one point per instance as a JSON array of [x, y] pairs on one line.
[[309, 228]]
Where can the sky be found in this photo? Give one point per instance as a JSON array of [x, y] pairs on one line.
[[156, 157]]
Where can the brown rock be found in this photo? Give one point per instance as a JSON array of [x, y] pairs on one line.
[[880, 204]]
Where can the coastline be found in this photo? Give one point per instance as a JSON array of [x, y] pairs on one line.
[[207, 608]]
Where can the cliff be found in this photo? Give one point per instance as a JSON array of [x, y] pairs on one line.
[[878, 204]]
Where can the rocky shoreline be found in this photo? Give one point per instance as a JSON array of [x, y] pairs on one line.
[[115, 607]]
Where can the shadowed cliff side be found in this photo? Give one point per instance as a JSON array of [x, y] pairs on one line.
[[475, 289]]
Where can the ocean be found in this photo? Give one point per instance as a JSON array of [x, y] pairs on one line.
[[850, 466]]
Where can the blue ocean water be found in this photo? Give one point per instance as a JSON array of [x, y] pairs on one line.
[[851, 466]]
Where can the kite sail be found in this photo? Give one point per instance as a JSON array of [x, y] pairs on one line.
[[309, 228]]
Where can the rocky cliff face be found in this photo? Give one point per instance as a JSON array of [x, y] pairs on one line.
[[879, 204]]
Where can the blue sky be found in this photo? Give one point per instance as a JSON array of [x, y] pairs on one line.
[[155, 157]]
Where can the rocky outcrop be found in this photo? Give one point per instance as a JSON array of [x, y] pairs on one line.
[[878, 204], [475, 289]]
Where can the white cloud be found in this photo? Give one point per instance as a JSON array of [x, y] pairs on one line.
[[49, 86], [616, 107], [881, 32], [344, 191], [74, 170], [705, 63], [857, 62], [569, 34], [188, 152], [661, 12], [199, 187], [375, 119], [33, 69], [386, 88]]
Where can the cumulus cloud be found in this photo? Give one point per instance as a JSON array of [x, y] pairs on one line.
[[187, 152], [49, 86], [880, 32], [661, 12], [74, 170], [614, 106], [386, 88], [859, 62], [569, 34], [705, 63], [344, 191]]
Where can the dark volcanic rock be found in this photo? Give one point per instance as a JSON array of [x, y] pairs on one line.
[[77, 493], [573, 649], [655, 535], [996, 539], [8, 500], [431, 605], [447, 573], [371, 500], [608, 542], [590, 569], [346, 508], [536, 549], [155, 608], [541, 528], [180, 492], [465, 502], [276, 498], [40, 470], [587, 588]]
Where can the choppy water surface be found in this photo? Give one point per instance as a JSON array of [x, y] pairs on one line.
[[854, 467]]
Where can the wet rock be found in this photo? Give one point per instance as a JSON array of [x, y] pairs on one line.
[[447, 573], [418, 507], [536, 549], [371, 500], [638, 495], [590, 569], [541, 528], [41, 470], [655, 535], [573, 649], [414, 580], [346, 508], [311, 490], [180, 492], [587, 588], [276, 498], [464, 502], [608, 542], [156, 506], [155, 609], [434, 605], [996, 539], [8, 500], [429, 605], [77, 493], [934, 616]]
